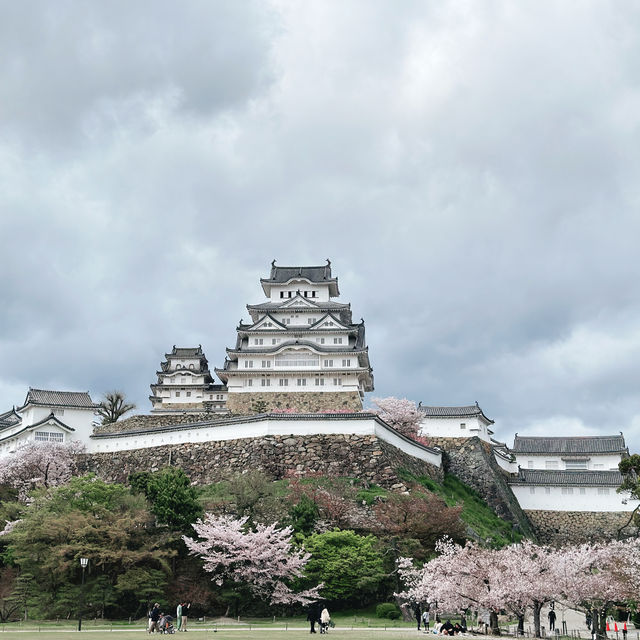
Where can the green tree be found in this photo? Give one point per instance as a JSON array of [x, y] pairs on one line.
[[92, 519], [173, 500], [630, 470], [303, 515], [113, 406], [350, 566]]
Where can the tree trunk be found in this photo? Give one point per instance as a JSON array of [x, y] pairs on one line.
[[537, 608], [493, 623]]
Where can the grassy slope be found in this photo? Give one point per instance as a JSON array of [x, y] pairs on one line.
[[480, 519]]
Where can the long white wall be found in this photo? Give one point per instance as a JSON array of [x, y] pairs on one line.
[[604, 462], [269, 425], [535, 498]]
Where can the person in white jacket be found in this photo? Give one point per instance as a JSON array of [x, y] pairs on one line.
[[325, 619]]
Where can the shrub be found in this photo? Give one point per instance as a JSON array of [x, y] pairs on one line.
[[388, 610]]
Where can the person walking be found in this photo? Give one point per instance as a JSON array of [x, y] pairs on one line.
[[417, 613], [552, 620], [179, 616]]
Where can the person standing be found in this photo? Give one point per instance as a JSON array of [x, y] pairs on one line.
[[154, 616], [185, 613], [552, 620], [425, 619], [325, 619], [417, 613], [179, 616], [313, 616]]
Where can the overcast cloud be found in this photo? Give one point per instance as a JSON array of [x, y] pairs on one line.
[[471, 169]]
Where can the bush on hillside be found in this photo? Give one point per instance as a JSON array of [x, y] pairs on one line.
[[388, 610]]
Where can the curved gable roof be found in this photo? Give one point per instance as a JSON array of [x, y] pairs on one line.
[[569, 445]]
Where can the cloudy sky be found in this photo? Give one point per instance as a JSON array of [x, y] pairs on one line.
[[471, 169]]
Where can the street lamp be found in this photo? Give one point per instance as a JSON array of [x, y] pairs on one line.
[[83, 563]]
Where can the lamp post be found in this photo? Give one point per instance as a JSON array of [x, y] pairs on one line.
[[83, 563]]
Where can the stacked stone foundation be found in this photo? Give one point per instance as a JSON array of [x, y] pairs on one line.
[[356, 456], [571, 527], [299, 401]]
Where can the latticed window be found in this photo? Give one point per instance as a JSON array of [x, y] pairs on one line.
[[49, 436], [297, 359]]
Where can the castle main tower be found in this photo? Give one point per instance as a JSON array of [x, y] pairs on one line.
[[301, 351]]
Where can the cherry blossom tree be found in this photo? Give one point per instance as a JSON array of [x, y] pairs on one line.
[[400, 413], [39, 465], [263, 559]]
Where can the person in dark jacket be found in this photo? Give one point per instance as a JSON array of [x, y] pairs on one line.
[[154, 616], [313, 615], [552, 620]]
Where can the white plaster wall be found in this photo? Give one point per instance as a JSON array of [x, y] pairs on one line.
[[507, 465], [450, 428], [555, 500], [238, 384], [322, 290], [268, 426], [608, 462]]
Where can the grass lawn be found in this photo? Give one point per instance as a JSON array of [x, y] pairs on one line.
[[239, 632]]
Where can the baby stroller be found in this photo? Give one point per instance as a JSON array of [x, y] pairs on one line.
[[165, 625]]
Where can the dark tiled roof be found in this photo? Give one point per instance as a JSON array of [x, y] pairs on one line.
[[313, 274], [185, 352], [80, 399], [317, 306], [569, 478], [9, 419], [469, 411], [567, 446]]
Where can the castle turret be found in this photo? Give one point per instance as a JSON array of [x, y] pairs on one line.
[[185, 384], [301, 351]]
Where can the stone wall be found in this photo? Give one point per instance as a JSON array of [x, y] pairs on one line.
[[567, 527], [472, 461], [302, 401], [139, 422], [357, 456]]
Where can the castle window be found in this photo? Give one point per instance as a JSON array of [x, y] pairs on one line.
[[598, 466], [266, 363], [290, 293], [463, 425], [583, 491], [321, 340], [266, 382], [177, 394], [532, 490], [248, 382], [319, 382], [274, 341], [346, 363], [313, 294], [547, 490], [306, 294], [328, 363], [219, 397], [529, 464], [302, 382], [284, 382], [337, 382], [337, 341], [603, 491], [575, 464], [188, 394], [211, 396], [48, 436], [257, 341], [183, 381], [248, 364], [567, 491], [551, 464], [282, 294], [191, 366]]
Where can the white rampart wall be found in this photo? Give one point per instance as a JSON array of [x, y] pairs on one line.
[[508, 465], [604, 462], [265, 427], [556, 498]]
